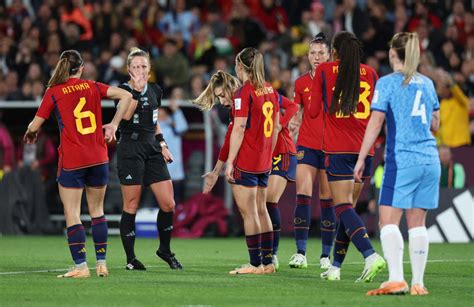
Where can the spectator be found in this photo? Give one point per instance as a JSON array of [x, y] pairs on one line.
[[172, 68], [452, 174], [353, 19], [454, 112], [202, 50], [273, 17], [40, 156], [316, 22], [173, 124], [7, 150], [422, 12], [180, 22]]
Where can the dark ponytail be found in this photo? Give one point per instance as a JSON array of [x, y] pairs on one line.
[[346, 92], [69, 63]]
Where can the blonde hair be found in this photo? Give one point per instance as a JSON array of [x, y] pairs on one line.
[[229, 84], [134, 52], [252, 62], [69, 63], [407, 47]]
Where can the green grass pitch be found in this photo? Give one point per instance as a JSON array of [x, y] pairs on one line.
[[28, 269]]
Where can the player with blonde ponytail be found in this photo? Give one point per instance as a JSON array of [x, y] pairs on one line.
[[407, 101]]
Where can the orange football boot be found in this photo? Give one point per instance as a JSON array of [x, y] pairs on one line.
[[390, 287], [418, 290]]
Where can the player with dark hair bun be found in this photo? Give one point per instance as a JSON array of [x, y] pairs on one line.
[[310, 159]]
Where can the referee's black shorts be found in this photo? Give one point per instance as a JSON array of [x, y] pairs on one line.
[[140, 161]]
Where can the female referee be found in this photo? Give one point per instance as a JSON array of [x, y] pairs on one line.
[[311, 164], [83, 159], [142, 155], [336, 87], [407, 101]]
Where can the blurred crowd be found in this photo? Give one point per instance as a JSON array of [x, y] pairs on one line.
[[189, 40]]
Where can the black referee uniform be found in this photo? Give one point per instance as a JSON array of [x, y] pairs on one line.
[[139, 157], [141, 162]]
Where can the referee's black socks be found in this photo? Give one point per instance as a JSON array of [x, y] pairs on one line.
[[127, 233], [164, 223]]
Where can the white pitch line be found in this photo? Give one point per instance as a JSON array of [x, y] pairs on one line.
[[188, 266]]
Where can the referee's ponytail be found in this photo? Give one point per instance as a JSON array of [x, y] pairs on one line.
[[68, 65]]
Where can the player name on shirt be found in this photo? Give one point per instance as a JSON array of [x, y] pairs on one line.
[[335, 70], [76, 87], [263, 91]]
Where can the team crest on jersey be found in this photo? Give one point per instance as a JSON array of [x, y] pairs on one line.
[[300, 155], [238, 103], [306, 90]]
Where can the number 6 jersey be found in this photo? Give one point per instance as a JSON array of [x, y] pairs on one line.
[[261, 107], [77, 106], [342, 134]]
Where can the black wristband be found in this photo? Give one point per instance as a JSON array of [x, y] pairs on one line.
[[159, 137], [136, 95]]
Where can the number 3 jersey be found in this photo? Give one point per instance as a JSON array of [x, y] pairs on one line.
[[261, 107], [77, 106], [408, 111], [342, 134]]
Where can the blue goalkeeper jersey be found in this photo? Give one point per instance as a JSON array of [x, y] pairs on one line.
[[408, 110]]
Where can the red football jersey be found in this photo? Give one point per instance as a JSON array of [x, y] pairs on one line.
[[261, 108], [77, 105], [285, 143], [224, 152], [311, 130], [342, 134]]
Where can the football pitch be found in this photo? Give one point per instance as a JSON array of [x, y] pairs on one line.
[[29, 265]]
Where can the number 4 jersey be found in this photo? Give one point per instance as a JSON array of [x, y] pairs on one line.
[[408, 111], [261, 108], [77, 105], [342, 134]]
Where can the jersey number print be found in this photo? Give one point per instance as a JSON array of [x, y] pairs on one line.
[[79, 115], [364, 99], [267, 110]]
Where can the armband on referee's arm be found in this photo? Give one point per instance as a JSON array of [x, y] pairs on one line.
[[161, 140]]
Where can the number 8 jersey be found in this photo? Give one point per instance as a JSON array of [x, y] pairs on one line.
[[77, 106], [342, 134], [261, 108]]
